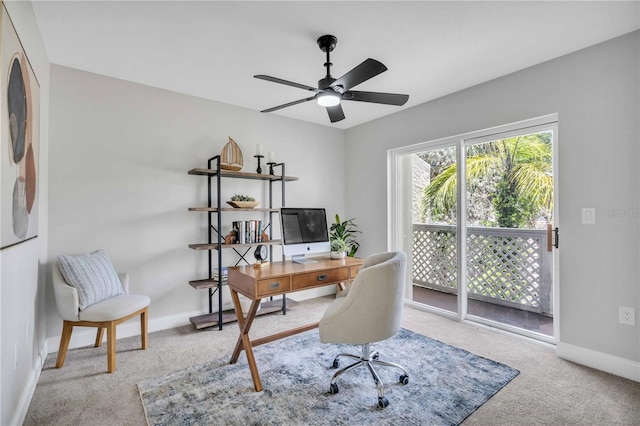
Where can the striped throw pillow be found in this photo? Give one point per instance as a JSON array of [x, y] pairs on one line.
[[92, 275]]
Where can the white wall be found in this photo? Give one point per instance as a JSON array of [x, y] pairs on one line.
[[119, 158], [22, 266], [596, 94]]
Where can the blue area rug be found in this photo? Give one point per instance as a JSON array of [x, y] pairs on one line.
[[446, 385]]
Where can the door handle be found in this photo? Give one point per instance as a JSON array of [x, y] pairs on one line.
[[553, 237]]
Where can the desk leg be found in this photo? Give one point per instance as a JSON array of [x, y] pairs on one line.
[[243, 340]]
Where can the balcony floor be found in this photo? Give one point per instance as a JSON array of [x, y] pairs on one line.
[[502, 314]]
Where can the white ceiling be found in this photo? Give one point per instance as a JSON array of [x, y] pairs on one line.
[[212, 49]]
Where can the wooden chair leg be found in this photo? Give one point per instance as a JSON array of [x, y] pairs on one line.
[[143, 327], [99, 337], [111, 346], [67, 329]]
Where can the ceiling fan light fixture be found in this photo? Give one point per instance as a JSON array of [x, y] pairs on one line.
[[328, 99]]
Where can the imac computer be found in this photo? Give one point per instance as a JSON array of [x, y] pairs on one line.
[[304, 231]]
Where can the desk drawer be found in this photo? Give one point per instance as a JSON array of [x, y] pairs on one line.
[[277, 285], [354, 271], [314, 279]]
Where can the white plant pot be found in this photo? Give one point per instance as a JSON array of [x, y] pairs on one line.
[[338, 254]]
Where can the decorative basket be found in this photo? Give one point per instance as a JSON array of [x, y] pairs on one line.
[[231, 156], [243, 204]]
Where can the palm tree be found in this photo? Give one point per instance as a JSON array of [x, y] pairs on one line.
[[517, 171]]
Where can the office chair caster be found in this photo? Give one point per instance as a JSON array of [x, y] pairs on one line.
[[336, 363], [333, 388], [382, 401], [404, 379]]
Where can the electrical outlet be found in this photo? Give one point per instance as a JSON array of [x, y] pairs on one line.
[[588, 216], [627, 315]]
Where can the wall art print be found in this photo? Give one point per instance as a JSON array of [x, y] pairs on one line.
[[19, 139]]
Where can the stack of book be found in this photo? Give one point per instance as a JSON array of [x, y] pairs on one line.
[[216, 274], [248, 231]]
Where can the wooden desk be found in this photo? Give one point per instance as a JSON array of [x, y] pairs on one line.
[[275, 279]]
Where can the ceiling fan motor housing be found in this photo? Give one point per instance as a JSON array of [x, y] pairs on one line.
[[324, 83]]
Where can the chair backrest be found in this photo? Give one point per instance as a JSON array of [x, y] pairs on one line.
[[372, 309]]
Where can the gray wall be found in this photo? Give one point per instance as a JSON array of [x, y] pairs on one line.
[[120, 153], [22, 276], [596, 95]]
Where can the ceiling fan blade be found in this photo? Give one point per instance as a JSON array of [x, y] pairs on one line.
[[363, 72], [286, 82], [376, 97], [289, 104], [335, 113]]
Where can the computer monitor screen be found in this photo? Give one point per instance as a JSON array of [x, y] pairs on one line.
[[304, 231]]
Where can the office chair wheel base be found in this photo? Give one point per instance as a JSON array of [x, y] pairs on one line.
[[333, 388], [404, 379], [382, 402], [336, 363]]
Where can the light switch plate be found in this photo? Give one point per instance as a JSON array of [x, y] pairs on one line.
[[588, 216]]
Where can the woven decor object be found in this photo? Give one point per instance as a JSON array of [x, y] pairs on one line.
[[231, 156]]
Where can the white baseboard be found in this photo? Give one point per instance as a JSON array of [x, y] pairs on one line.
[[600, 361], [83, 336], [32, 381]]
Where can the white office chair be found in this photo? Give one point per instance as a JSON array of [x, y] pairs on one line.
[[103, 314], [369, 311]]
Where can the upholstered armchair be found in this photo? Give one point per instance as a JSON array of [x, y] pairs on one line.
[[99, 297], [369, 311]]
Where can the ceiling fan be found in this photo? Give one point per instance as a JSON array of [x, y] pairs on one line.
[[330, 91]]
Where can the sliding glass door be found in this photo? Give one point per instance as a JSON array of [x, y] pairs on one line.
[[435, 250], [481, 249], [509, 190]]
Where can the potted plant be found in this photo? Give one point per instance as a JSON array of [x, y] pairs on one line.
[[345, 231], [338, 248], [239, 201]]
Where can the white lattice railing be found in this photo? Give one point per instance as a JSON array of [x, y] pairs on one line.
[[505, 266]]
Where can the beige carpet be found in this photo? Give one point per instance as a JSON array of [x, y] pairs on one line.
[[548, 391]]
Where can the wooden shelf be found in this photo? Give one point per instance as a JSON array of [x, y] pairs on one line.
[[240, 175], [210, 320], [205, 283], [206, 246], [230, 209]]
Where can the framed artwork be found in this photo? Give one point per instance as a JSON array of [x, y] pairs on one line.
[[19, 139]]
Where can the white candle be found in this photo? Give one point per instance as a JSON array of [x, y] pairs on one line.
[[259, 149], [270, 157]]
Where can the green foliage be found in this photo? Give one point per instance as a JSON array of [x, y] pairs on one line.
[[345, 231], [512, 211], [240, 197], [512, 177], [338, 244]]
